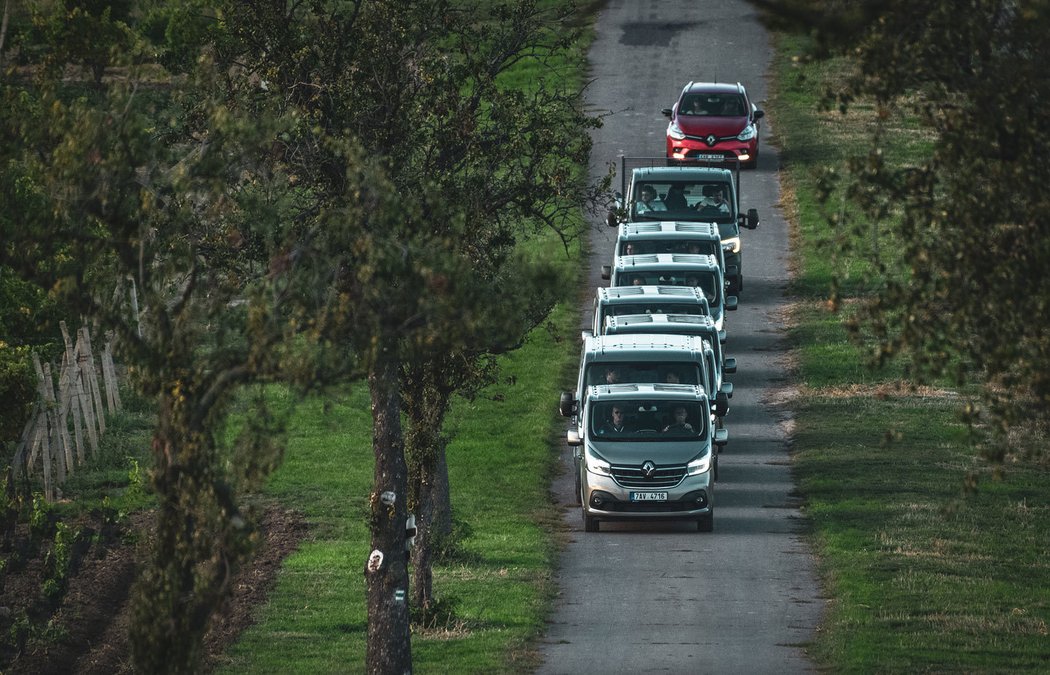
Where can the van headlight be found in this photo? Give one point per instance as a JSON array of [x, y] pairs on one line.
[[675, 132], [731, 245], [598, 466], [699, 465], [748, 133]]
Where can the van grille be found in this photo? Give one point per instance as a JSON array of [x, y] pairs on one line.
[[633, 476]]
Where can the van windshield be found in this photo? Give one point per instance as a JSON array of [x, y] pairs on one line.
[[647, 246], [643, 372], [652, 420], [706, 280], [682, 200]]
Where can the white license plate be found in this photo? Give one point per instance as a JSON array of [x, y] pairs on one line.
[[711, 158], [648, 496]]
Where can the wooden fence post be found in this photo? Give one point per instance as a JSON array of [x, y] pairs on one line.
[[72, 399], [20, 463], [43, 434], [59, 432], [92, 379], [84, 397], [109, 375]]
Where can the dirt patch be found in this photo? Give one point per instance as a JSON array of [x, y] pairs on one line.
[[88, 631]]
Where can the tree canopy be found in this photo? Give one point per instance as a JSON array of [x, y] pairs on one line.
[[970, 295], [303, 192]]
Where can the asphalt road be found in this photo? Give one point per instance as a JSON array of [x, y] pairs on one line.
[[660, 597]]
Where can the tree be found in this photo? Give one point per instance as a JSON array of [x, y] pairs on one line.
[[461, 166], [968, 297], [189, 213]]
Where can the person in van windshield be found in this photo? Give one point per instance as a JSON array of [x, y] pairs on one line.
[[612, 375], [648, 201], [613, 425], [675, 199], [679, 424], [714, 200]]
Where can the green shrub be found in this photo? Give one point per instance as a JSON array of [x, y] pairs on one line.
[[17, 389]]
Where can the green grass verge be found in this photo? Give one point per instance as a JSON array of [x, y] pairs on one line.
[[923, 575]]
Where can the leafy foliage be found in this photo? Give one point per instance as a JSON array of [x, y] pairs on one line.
[[968, 296]]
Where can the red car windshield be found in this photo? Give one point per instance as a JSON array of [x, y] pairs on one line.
[[713, 105]]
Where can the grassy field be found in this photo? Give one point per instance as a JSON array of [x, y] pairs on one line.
[[923, 574]]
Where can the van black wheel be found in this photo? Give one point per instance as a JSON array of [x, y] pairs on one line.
[[590, 523], [706, 523]]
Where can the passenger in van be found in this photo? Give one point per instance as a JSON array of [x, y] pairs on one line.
[[615, 423], [714, 201], [648, 201], [679, 424], [612, 375], [672, 378], [675, 199]]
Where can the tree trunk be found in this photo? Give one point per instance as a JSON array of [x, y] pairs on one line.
[[3, 29], [200, 539], [389, 648]]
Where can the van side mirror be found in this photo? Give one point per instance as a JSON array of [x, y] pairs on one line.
[[567, 404], [606, 272], [722, 336], [666, 112], [572, 437], [720, 407], [731, 303], [752, 219], [759, 114], [729, 366], [721, 437], [727, 389]]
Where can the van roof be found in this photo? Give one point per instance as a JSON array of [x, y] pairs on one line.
[[649, 293], [657, 323], [665, 260], [684, 392], [670, 229], [672, 173], [645, 346]]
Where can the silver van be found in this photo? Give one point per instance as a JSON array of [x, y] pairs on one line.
[[619, 300], [673, 237], [639, 359], [684, 324], [675, 269], [646, 451]]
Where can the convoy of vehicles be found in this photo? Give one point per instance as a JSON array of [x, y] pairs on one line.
[[647, 415]]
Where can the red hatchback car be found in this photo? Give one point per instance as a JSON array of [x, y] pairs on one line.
[[713, 121]]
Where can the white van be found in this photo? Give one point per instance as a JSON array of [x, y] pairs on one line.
[[671, 236], [675, 269], [619, 300]]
